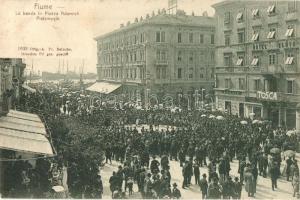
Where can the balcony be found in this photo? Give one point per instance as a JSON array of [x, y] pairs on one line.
[[139, 63], [270, 69], [272, 19], [289, 68], [256, 22], [238, 69], [292, 16], [161, 62]]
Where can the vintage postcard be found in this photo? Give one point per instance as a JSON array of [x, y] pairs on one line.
[[149, 99]]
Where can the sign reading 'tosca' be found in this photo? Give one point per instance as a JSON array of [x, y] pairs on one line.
[[267, 95]]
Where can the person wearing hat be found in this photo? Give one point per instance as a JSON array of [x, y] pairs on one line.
[[203, 186], [196, 172], [214, 189], [176, 194], [237, 188]]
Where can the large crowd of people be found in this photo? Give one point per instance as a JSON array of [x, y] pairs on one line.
[[193, 138]]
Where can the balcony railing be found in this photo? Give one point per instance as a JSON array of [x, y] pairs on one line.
[[266, 69], [161, 62]]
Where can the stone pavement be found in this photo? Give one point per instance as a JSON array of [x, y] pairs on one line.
[[264, 190]]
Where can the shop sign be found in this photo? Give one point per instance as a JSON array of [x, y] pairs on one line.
[[267, 95]]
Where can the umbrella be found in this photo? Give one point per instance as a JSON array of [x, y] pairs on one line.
[[58, 188], [211, 116], [289, 153], [203, 115], [252, 114], [290, 132], [220, 117], [275, 150], [244, 122]]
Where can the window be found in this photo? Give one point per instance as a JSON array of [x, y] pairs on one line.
[[179, 37], [158, 72], [163, 55], [290, 31], [241, 83], [292, 6], [142, 39], [179, 58], [227, 61], [191, 57], [134, 56], [157, 36], [271, 10], [212, 39], [271, 34], [191, 73], [201, 76], [228, 83], [227, 40], [255, 61], [227, 18], [164, 72], [179, 73], [240, 61], [257, 84], [272, 59], [255, 13], [134, 73], [241, 36], [163, 37], [289, 60], [290, 86], [201, 38], [160, 36], [239, 17], [191, 37], [158, 55], [255, 36]]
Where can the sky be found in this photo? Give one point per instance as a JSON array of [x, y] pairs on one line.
[[95, 17]]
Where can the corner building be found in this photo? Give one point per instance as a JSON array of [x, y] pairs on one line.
[[163, 54], [257, 60]]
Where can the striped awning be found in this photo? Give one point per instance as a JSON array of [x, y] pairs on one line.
[[24, 132], [103, 87]]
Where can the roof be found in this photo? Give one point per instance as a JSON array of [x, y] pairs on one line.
[[24, 132], [166, 19], [236, 2]]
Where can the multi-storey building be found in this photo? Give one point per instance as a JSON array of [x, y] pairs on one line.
[[11, 80], [257, 59], [163, 53]]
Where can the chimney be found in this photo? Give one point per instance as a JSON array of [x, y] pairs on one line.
[[121, 25], [193, 14], [141, 19], [147, 16], [136, 20], [153, 13], [164, 11], [158, 12]]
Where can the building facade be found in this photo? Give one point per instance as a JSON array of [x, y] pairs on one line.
[[162, 54], [257, 59], [11, 81]]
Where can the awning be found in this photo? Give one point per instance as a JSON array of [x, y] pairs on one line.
[[32, 90], [24, 132], [103, 87]]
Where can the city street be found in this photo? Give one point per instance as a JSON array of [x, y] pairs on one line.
[[264, 190]]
